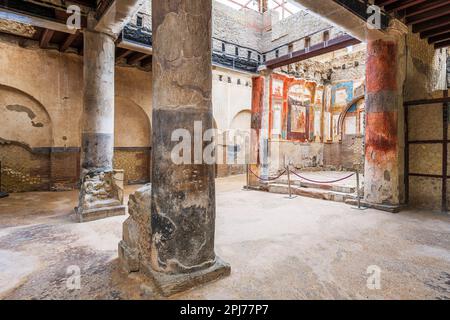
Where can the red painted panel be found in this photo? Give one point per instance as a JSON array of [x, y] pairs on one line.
[[381, 136], [381, 69]]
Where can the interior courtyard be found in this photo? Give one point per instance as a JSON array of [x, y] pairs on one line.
[[224, 149]]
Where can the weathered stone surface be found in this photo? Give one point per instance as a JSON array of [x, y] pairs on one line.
[[134, 249], [100, 196], [169, 284], [181, 229], [386, 71]]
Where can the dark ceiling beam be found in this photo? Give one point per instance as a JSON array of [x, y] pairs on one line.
[[382, 3], [442, 44], [122, 53], [429, 15], [147, 62], [86, 3], [46, 37], [439, 38], [136, 57], [68, 41], [435, 31], [403, 5], [424, 7], [432, 24], [313, 51], [359, 8]]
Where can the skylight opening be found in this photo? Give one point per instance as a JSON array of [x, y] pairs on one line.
[[285, 8]]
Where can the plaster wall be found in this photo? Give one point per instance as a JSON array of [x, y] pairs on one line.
[[40, 106]]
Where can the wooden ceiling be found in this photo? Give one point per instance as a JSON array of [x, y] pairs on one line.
[[65, 41], [429, 18]]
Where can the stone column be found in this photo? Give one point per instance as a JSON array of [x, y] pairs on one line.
[[100, 193], [183, 207], [256, 123], [384, 155]]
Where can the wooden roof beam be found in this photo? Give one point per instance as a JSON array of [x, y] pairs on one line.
[[439, 38], [435, 31], [429, 15], [68, 42], [136, 57], [432, 24], [46, 37]]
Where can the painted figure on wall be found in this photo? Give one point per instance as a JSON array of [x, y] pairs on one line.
[[299, 103], [298, 116]]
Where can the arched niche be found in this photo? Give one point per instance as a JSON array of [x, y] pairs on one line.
[[24, 119], [25, 142], [132, 126], [242, 120], [132, 141], [357, 105]]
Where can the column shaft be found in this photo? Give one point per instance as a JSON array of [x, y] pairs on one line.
[[183, 195], [385, 75], [98, 112], [101, 190]]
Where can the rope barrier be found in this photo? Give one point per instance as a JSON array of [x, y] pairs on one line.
[[268, 179], [301, 177], [323, 182]]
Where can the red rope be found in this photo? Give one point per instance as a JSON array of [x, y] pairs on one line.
[[323, 182], [268, 179]]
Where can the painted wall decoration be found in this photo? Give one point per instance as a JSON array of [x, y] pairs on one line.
[[277, 116], [277, 87], [304, 111], [298, 115], [342, 94]]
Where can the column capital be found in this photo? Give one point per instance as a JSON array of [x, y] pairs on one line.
[[92, 26], [264, 71], [396, 30]]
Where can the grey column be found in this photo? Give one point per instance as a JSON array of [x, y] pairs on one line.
[[264, 134], [100, 196], [183, 207]]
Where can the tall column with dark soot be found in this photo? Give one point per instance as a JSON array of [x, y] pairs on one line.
[[183, 208]]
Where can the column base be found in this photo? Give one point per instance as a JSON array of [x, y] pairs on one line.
[[100, 213], [170, 284]]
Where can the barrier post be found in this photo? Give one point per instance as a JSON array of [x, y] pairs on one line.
[[289, 181], [358, 192], [247, 178], [357, 189]]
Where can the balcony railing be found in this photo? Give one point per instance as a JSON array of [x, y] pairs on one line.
[[141, 35]]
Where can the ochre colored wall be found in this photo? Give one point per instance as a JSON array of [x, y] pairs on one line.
[[41, 95]]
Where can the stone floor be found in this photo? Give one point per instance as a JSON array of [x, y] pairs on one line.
[[278, 248]]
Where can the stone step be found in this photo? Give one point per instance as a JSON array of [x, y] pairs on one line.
[[311, 192], [306, 184]]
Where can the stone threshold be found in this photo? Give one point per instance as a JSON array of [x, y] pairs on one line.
[[100, 213]]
